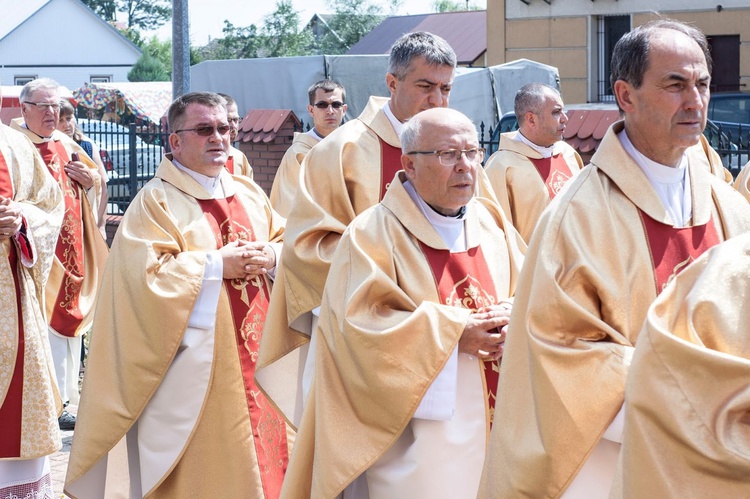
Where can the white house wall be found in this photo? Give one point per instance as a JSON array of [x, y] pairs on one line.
[[516, 9], [67, 42]]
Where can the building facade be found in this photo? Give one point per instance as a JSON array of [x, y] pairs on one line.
[[577, 36]]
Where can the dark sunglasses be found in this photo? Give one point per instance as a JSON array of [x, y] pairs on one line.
[[206, 131], [324, 105]]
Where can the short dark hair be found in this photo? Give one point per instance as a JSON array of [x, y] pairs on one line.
[[227, 98], [531, 97], [630, 55], [179, 105], [435, 51], [326, 86]]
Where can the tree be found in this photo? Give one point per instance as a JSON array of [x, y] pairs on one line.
[[141, 14], [237, 43], [352, 19], [281, 35], [453, 6], [148, 68]]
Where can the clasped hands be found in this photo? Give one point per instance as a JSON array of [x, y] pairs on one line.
[[245, 259], [11, 218], [484, 334]]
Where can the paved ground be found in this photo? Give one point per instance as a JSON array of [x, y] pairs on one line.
[[59, 460]]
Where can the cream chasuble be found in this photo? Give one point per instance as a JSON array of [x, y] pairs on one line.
[[742, 183], [207, 437], [81, 251], [372, 370], [287, 179], [237, 163], [522, 188], [341, 177], [687, 397], [583, 295], [29, 401]]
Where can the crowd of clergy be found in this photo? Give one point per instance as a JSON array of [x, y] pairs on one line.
[[402, 317]]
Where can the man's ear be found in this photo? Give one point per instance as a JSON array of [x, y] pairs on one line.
[[391, 82], [310, 108], [530, 119], [407, 163], [624, 93], [174, 141]]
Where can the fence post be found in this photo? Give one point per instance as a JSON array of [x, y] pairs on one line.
[[133, 166]]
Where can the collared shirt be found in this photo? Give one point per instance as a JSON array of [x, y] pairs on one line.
[[397, 125], [211, 184], [670, 183], [546, 152]]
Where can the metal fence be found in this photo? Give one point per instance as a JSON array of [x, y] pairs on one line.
[[128, 172], [130, 154]]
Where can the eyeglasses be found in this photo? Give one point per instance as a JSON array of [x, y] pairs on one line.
[[449, 157], [45, 106], [206, 131], [324, 105]]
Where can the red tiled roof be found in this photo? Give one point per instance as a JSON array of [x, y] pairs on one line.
[[262, 125], [586, 128]]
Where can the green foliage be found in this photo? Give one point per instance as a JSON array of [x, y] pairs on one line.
[[281, 35], [453, 6], [148, 68], [141, 14], [352, 19], [107, 9]]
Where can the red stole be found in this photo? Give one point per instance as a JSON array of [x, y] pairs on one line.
[[672, 249], [554, 171], [230, 164], [249, 304], [66, 315], [12, 405], [390, 163], [463, 280]]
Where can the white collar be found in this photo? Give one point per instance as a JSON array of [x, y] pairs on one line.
[[395, 123], [546, 152], [211, 184]]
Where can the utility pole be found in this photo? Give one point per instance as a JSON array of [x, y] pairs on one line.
[[180, 48]]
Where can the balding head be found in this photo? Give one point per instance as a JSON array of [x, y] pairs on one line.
[[442, 176]]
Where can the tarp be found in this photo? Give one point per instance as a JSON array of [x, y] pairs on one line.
[[147, 101], [483, 94]]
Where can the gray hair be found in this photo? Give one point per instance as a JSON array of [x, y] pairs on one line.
[[179, 105], [38, 84], [435, 50], [326, 86], [630, 55], [410, 135], [531, 98]]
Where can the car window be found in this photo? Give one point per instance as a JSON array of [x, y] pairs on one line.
[[732, 110]]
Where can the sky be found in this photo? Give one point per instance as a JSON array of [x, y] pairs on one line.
[[207, 16]]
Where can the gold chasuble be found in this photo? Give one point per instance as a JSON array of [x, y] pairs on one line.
[[237, 163], [742, 183], [385, 333], [687, 398], [524, 181], [595, 264], [286, 181], [169, 408], [463, 280], [341, 177], [554, 171], [29, 401], [248, 301], [81, 251]]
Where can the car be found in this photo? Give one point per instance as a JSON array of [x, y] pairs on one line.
[[730, 111], [114, 141]]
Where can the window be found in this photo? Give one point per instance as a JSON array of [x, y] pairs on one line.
[[24, 79], [610, 30], [100, 79]]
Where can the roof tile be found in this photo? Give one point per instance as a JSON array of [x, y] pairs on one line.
[[262, 125]]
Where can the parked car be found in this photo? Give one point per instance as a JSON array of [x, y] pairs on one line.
[[730, 111], [114, 142]]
